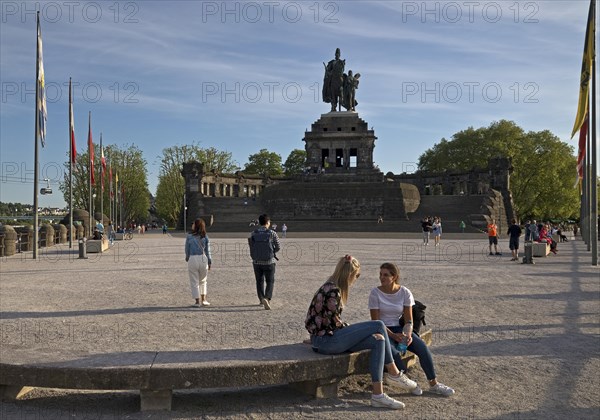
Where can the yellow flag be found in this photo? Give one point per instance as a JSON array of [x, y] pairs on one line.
[[586, 70]]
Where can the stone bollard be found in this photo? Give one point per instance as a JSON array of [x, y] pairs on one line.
[[26, 235], [46, 236], [60, 234], [80, 232], [82, 249], [10, 238], [528, 250]]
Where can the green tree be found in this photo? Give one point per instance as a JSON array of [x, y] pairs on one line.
[[295, 162], [171, 188], [126, 161], [264, 163], [543, 165]]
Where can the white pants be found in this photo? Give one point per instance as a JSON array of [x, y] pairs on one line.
[[198, 271]]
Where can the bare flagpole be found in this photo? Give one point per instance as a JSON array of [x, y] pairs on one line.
[[594, 158], [70, 166]]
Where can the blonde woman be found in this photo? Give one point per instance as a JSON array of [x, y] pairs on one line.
[[197, 255], [330, 335]]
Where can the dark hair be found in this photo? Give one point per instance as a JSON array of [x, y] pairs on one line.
[[513, 221], [263, 219], [199, 228], [393, 269]]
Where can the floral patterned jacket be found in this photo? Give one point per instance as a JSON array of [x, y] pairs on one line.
[[325, 310]]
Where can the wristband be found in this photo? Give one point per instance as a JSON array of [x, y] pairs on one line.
[[409, 321]]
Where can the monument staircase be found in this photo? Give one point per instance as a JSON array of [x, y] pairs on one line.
[[233, 214]]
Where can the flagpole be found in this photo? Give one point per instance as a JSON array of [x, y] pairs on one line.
[[36, 151], [101, 182], [594, 159], [70, 167], [90, 175]]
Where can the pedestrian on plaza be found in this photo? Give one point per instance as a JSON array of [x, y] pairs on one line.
[[110, 232], [330, 335], [514, 232], [492, 231], [264, 245], [388, 302], [197, 255], [462, 226], [284, 231], [436, 229], [164, 229], [426, 227]]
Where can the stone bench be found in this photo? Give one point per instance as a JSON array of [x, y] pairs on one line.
[[119, 236], [97, 245], [157, 374], [541, 249]]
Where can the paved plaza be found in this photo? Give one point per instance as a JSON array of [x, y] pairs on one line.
[[516, 341]]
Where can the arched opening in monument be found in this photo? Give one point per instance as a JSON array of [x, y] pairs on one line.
[[339, 158], [353, 158]]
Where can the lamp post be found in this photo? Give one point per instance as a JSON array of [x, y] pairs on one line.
[[93, 217]]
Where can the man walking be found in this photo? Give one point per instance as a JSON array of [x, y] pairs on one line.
[[514, 232], [264, 244]]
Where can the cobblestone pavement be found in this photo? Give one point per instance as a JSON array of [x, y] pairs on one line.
[[516, 341]]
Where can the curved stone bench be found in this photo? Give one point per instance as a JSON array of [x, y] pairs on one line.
[[157, 374]]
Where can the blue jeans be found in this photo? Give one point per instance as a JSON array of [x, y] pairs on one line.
[[417, 347], [358, 337], [264, 274]]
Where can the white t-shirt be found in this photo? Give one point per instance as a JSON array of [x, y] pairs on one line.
[[391, 306]]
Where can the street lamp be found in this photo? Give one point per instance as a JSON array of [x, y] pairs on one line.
[[93, 199]]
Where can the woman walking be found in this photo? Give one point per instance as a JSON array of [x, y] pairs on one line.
[[197, 255]]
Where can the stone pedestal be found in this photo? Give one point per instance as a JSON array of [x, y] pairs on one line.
[[339, 147]]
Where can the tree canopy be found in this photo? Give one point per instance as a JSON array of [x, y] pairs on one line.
[[544, 166], [171, 188], [127, 162], [264, 163], [295, 162]]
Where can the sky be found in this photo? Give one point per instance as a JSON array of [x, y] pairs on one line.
[[241, 76]]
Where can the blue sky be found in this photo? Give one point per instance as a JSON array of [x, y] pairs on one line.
[[242, 76]]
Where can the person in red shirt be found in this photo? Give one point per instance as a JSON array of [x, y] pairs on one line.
[[493, 236]]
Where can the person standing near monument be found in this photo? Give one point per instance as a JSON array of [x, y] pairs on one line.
[[197, 255], [426, 226], [333, 91], [264, 245], [492, 231], [514, 232], [284, 231], [436, 229]]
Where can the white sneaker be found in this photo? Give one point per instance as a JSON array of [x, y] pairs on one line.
[[205, 303], [386, 402], [400, 381], [266, 303], [417, 391], [441, 389]]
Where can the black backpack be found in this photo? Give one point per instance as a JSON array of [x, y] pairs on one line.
[[418, 313], [261, 245]]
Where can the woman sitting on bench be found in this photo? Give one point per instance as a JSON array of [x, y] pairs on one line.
[[544, 237], [389, 302], [329, 335]]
